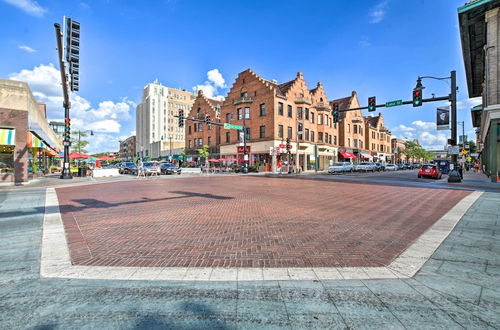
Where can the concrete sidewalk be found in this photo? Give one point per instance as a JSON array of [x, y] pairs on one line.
[[457, 288]]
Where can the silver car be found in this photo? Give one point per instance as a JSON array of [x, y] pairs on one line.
[[366, 166], [341, 167], [391, 167]]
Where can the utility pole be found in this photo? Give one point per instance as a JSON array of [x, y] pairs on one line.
[[245, 153], [453, 100], [66, 173]]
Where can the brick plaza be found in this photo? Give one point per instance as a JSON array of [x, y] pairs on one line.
[[246, 222]]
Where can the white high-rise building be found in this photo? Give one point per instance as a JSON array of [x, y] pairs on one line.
[[157, 130]]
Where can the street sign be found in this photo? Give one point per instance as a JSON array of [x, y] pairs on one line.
[[393, 103], [231, 126], [464, 152], [453, 150]]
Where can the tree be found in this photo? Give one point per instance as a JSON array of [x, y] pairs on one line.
[[203, 152], [77, 143], [413, 150]]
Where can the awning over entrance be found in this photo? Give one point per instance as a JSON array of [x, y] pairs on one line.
[[348, 155], [7, 136], [365, 156], [34, 141]]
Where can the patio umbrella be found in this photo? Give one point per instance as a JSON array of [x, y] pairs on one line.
[[76, 155], [213, 160], [106, 158]]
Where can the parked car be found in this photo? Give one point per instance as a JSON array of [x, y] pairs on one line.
[[366, 166], [391, 167], [168, 168], [341, 167], [127, 168], [430, 171], [416, 165], [401, 166], [239, 168], [380, 166], [151, 168]]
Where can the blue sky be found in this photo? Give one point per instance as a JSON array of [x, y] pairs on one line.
[[374, 47]]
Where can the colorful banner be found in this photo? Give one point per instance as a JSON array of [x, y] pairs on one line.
[[443, 118], [34, 141], [7, 136]]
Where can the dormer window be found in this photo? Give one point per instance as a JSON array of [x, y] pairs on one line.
[[244, 94], [321, 99]]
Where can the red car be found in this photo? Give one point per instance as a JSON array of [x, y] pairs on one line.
[[430, 171]]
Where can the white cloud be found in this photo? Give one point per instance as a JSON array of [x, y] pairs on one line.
[[423, 131], [211, 87], [377, 13], [27, 48], [28, 6], [132, 133], [403, 128], [467, 104], [424, 125], [45, 83]]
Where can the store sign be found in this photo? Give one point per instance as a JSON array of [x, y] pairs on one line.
[[240, 149]]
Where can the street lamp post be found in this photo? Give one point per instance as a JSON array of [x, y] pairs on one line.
[[245, 153], [170, 138]]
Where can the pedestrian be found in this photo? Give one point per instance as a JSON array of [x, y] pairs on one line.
[[140, 168]]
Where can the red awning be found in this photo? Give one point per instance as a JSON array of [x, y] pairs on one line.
[[76, 155], [348, 155]]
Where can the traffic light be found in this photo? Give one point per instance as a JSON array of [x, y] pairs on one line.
[[67, 134], [73, 53], [288, 143], [372, 103], [417, 97], [181, 118], [335, 113], [208, 120]]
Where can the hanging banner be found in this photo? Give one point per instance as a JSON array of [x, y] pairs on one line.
[[443, 118]]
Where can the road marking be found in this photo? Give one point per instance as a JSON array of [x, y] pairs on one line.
[[56, 260]]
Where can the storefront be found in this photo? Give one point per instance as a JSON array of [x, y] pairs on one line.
[[7, 143]]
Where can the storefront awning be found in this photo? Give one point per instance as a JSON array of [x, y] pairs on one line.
[[348, 155], [7, 136], [365, 156], [34, 141]]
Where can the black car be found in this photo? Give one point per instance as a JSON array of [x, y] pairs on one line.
[[380, 167], [239, 169], [129, 168], [168, 168]]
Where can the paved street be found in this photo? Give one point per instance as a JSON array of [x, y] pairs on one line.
[[246, 222], [457, 288]]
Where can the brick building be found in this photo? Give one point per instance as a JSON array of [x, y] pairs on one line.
[[397, 146], [273, 113], [197, 133], [127, 148], [378, 139]]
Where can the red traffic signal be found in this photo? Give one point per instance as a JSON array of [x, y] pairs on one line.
[[417, 97], [372, 103]]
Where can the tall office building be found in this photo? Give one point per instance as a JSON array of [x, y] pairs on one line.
[[157, 130]]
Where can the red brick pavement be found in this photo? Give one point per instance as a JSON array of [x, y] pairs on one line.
[[246, 222]]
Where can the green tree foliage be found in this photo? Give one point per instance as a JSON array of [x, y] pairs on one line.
[[413, 151], [203, 152], [78, 142]]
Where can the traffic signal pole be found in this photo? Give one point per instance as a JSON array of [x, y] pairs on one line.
[[66, 173], [453, 99]]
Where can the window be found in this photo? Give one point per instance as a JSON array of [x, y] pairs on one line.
[[247, 135], [361, 144], [348, 128], [244, 94], [262, 111], [320, 119], [335, 139], [239, 114], [262, 132], [190, 144], [290, 111], [312, 136], [355, 143], [209, 142], [228, 117], [348, 142], [228, 137], [320, 137], [307, 134], [299, 112], [247, 113], [289, 132], [307, 114], [280, 108], [280, 131], [312, 117], [326, 137], [194, 127], [200, 142], [189, 129], [355, 129], [200, 127], [198, 111]]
